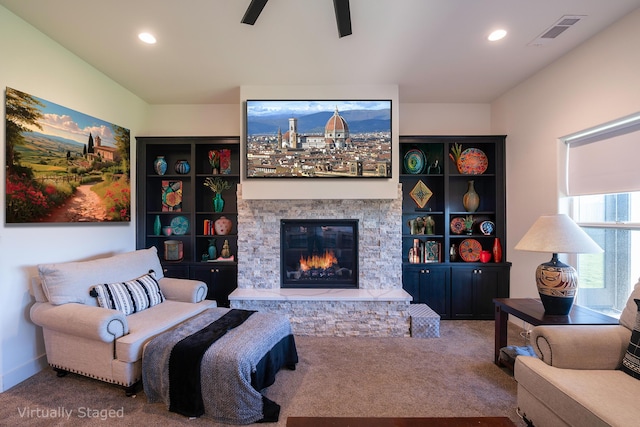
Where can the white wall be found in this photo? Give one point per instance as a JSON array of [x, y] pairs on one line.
[[595, 83], [34, 64]]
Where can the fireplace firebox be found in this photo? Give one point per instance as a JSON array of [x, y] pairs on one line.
[[319, 253]]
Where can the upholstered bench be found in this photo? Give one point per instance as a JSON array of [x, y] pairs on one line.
[[425, 323]]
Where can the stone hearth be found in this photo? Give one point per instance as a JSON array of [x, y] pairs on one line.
[[380, 307]]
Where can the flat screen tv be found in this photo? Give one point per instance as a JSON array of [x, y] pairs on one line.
[[318, 139]]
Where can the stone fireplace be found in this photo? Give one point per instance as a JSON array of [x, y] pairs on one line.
[[377, 307]]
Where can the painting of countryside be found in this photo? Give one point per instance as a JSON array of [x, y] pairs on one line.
[[64, 166]]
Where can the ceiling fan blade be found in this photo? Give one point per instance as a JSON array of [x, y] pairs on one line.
[[343, 17], [253, 11]]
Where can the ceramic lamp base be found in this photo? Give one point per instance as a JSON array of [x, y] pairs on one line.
[[557, 285]]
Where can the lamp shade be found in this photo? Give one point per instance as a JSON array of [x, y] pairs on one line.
[[557, 234]]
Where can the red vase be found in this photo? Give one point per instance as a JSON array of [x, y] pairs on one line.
[[497, 250]]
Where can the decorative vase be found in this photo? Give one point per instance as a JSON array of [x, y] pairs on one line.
[[157, 226], [453, 253], [222, 226], [557, 286], [218, 203], [497, 250], [167, 230], [160, 165], [225, 252], [470, 200], [182, 167], [485, 256], [212, 250]]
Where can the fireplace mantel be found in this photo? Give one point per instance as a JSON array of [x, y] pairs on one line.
[[320, 295]]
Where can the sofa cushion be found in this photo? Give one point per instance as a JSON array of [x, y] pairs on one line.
[[145, 325], [130, 297], [630, 311], [631, 361], [581, 397], [70, 282]]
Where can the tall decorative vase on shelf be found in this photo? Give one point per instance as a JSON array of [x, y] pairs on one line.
[[497, 250], [212, 250], [160, 165], [470, 200], [218, 203], [157, 226]]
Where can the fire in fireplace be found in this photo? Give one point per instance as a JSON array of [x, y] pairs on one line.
[[319, 253]]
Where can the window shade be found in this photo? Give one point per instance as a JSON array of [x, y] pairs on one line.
[[605, 162]]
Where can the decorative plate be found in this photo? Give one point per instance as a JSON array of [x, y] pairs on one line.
[[470, 250], [179, 225], [457, 225], [487, 227], [414, 161], [421, 194], [472, 161]]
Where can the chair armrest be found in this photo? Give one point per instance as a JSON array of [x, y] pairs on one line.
[[581, 346], [185, 290], [81, 320]]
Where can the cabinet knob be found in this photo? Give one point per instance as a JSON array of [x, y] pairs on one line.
[[164, 270], [425, 271]]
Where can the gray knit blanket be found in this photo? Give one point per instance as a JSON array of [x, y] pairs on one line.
[[226, 366]]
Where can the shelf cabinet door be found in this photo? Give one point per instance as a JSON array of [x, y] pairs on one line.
[[473, 289], [429, 285], [221, 279]]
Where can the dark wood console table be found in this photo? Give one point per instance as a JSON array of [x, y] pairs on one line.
[[531, 311]]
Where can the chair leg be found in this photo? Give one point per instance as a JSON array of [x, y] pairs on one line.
[[60, 372], [131, 390]]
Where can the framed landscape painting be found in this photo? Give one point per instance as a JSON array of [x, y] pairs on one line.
[[63, 166], [318, 139]]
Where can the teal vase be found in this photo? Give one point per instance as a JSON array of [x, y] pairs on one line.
[[157, 226], [218, 203], [212, 250]]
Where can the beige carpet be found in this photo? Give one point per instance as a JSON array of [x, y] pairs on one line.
[[453, 375]]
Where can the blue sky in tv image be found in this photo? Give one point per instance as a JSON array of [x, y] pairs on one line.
[[298, 138], [299, 107]]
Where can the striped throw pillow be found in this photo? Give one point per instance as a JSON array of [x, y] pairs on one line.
[[130, 297], [631, 361]]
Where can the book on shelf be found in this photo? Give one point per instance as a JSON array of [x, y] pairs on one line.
[[425, 251]]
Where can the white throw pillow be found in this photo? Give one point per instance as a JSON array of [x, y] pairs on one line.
[[70, 282]]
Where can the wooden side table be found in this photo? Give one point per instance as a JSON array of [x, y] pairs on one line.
[[531, 311]]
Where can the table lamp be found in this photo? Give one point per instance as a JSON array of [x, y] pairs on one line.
[[557, 282]]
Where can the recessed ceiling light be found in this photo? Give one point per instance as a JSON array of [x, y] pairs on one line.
[[497, 35], [147, 38]]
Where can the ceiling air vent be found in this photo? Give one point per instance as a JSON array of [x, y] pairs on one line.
[[556, 29]]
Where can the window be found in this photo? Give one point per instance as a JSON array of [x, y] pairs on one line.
[[603, 186], [613, 221]]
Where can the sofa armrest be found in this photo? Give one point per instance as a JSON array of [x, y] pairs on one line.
[[581, 346], [81, 320], [185, 290]]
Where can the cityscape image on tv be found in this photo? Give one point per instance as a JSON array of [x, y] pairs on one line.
[[317, 139]]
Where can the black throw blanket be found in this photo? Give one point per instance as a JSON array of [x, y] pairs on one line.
[[185, 360]]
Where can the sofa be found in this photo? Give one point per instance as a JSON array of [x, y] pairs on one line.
[[578, 377], [97, 315]]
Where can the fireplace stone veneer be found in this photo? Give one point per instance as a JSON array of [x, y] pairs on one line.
[[380, 307]]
